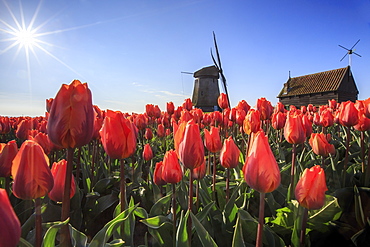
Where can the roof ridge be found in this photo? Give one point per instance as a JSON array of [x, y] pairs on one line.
[[321, 72]]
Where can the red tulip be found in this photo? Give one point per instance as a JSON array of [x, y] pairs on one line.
[[278, 120], [170, 108], [307, 124], [7, 154], [326, 118], [23, 129], [9, 222], [310, 189], [188, 105], [59, 173], [147, 152], [240, 116], [160, 130], [363, 122], [320, 145], [279, 107], [31, 173], [117, 135], [49, 102], [44, 141], [148, 134], [4, 125], [366, 104], [294, 131], [243, 105], [348, 114], [229, 155], [212, 139], [191, 149], [332, 104], [265, 108], [71, 119], [223, 103], [157, 175], [261, 171], [171, 169], [252, 122]]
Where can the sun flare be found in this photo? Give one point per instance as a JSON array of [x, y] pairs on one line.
[[25, 38]]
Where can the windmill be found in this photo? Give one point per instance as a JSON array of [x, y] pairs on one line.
[[206, 89], [349, 53]]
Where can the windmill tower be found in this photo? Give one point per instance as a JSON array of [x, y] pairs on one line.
[[206, 90], [349, 53]]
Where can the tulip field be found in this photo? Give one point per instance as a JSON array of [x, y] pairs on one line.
[[258, 175]]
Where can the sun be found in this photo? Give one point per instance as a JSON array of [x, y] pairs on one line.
[[26, 38]]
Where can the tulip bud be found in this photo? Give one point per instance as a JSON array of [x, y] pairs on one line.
[[212, 139], [7, 154], [348, 114], [31, 173], [191, 149], [59, 173], [229, 155], [9, 222], [71, 119], [294, 131], [171, 170], [311, 187], [199, 172], [147, 152], [320, 145], [157, 175], [261, 171], [222, 101], [117, 135]]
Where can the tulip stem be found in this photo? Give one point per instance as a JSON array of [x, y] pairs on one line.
[[214, 177], [227, 184], [123, 191], [190, 205], [197, 195], [348, 137], [38, 222], [292, 172], [174, 212], [303, 229], [363, 151], [260, 220], [66, 203]]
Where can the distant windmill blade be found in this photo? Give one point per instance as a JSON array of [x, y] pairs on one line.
[[356, 54], [219, 67], [344, 47], [343, 57], [355, 44]]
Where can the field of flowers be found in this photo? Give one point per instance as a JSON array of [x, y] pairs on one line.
[[245, 176]]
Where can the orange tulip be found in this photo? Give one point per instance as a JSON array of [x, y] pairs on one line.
[[171, 170], [348, 114], [71, 119], [252, 122], [170, 107], [310, 189], [326, 118], [223, 103], [31, 173], [7, 154], [229, 155], [212, 139], [243, 105], [157, 175], [23, 129], [188, 105], [320, 145], [294, 131], [4, 125], [261, 171], [191, 149], [9, 222], [59, 173], [147, 152]]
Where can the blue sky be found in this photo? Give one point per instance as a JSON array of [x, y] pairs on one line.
[[131, 52]]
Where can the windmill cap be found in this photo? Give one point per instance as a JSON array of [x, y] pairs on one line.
[[210, 71]]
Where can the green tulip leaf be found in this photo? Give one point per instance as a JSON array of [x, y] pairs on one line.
[[49, 237], [204, 237]]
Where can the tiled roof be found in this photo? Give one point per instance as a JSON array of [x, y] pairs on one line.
[[314, 83]]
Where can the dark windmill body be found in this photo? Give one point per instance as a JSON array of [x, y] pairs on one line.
[[318, 88], [206, 89]]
